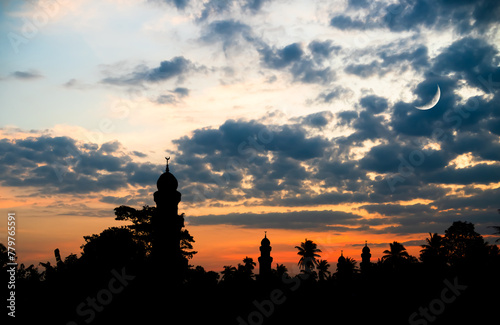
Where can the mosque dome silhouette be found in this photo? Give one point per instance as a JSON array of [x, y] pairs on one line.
[[341, 258], [167, 181], [265, 241]]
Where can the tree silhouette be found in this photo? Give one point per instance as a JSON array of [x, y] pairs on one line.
[[280, 270], [229, 273], [463, 243], [308, 252], [249, 264], [245, 271], [396, 255], [143, 231], [351, 265], [114, 247], [323, 273], [434, 252]]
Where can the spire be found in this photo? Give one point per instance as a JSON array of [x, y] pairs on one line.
[[265, 241], [341, 259], [167, 181]]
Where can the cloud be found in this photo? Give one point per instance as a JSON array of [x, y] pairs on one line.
[[176, 67], [404, 15], [76, 84], [179, 4], [304, 68], [316, 220], [26, 75], [323, 50], [254, 5], [229, 32], [54, 165], [397, 56], [344, 22], [280, 58], [374, 104], [316, 120], [333, 93], [173, 96], [469, 58], [226, 8]]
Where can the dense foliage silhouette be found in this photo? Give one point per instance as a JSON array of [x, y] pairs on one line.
[[391, 290]]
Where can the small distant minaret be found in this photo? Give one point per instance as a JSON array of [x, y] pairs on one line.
[[365, 258], [265, 259]]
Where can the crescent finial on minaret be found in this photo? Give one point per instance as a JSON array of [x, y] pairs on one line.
[[167, 158]]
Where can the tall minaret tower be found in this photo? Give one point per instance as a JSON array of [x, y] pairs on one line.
[[167, 225], [265, 258], [365, 258]]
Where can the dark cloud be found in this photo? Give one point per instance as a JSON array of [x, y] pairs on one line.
[[418, 58], [317, 220], [344, 22], [139, 154], [228, 32], [176, 67], [364, 70], [26, 75], [478, 174], [172, 97], [181, 91], [179, 4], [62, 165], [470, 59], [374, 104], [220, 8], [317, 120], [215, 7], [323, 50], [397, 57], [465, 16], [346, 117], [333, 93], [304, 68], [280, 58], [254, 5]]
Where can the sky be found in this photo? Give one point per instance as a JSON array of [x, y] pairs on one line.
[[293, 117]]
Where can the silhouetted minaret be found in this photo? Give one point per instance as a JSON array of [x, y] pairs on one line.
[[167, 225], [265, 258], [365, 258]]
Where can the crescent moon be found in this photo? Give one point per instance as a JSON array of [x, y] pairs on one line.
[[433, 101]]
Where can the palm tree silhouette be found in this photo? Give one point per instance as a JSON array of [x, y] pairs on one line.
[[396, 255], [323, 272], [246, 270], [434, 252], [228, 273], [280, 270], [307, 251], [350, 265]]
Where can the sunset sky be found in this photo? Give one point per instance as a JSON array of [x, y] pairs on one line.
[[293, 117]]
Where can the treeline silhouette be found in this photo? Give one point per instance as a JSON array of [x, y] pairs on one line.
[[454, 280]]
